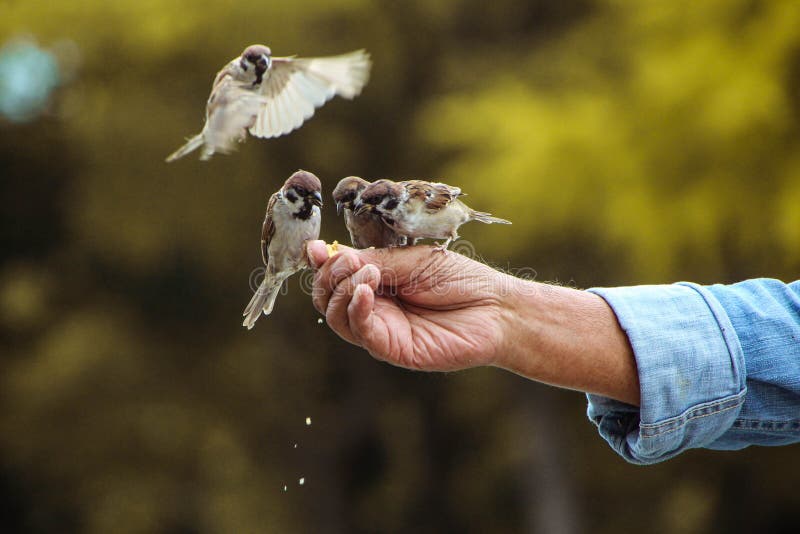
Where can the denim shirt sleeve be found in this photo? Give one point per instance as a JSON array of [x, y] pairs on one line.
[[719, 367]]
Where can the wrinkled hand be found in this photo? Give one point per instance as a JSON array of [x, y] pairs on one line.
[[412, 306]]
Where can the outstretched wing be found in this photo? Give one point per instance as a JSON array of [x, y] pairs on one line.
[[268, 228], [295, 87], [435, 195]]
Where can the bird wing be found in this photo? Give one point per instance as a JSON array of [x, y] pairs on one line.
[[295, 87], [224, 71], [434, 195], [268, 228]]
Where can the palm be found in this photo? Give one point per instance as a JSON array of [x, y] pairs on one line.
[[434, 311], [436, 340]]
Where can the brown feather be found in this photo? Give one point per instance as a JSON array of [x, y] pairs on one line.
[[268, 228], [255, 51], [304, 180], [436, 196], [347, 190], [379, 189]]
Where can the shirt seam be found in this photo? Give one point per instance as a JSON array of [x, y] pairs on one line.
[[653, 430], [767, 425]]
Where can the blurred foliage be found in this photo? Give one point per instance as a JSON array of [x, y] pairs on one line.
[[669, 132], [629, 142]]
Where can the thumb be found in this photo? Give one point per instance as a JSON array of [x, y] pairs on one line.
[[317, 252]]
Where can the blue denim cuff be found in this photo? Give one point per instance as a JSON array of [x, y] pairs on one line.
[[691, 372]]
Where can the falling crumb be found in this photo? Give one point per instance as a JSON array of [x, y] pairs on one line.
[[319, 321], [285, 488], [295, 445], [308, 421], [302, 481]]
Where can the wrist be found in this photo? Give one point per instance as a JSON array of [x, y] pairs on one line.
[[522, 308], [569, 338]]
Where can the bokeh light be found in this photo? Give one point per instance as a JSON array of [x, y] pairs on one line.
[[28, 76]]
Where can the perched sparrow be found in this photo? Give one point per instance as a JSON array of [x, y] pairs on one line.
[[271, 96], [293, 217], [419, 209], [366, 230]]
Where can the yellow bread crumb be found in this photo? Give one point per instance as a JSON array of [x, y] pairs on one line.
[[333, 248]]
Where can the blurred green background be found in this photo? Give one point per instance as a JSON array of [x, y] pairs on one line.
[[629, 142]]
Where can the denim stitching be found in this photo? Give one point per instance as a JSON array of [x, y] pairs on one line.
[[652, 430], [768, 425]]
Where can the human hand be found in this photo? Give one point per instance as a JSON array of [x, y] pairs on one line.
[[412, 306]]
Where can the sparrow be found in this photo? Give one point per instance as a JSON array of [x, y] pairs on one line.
[[292, 219], [366, 230], [271, 96], [419, 209]]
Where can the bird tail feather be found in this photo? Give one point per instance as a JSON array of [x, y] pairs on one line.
[[192, 144], [263, 301], [482, 216]]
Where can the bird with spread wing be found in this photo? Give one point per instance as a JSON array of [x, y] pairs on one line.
[[272, 96]]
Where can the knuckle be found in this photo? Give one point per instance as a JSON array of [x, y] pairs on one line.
[[346, 265], [363, 275]]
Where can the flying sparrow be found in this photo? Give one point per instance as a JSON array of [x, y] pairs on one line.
[[271, 96], [419, 209], [293, 217], [366, 230]]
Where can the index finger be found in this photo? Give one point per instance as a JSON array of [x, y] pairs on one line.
[[396, 266], [331, 272]]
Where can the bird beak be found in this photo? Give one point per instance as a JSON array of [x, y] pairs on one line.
[[360, 208], [317, 199], [268, 59], [339, 208]]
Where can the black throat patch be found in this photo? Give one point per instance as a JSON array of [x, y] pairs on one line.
[[304, 213]]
